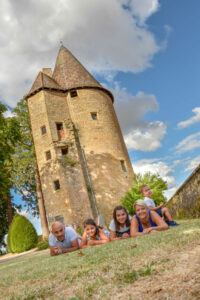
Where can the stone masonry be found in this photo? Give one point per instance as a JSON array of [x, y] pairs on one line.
[[186, 201], [83, 162]]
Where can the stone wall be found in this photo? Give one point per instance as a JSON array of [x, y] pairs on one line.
[[70, 202], [104, 148], [186, 200]]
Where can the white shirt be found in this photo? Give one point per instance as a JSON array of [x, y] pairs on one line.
[[121, 229], [149, 202], [70, 236]]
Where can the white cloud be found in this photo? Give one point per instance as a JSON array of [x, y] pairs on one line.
[[190, 143], [8, 114], [192, 120], [131, 109], [155, 166], [177, 162], [138, 133], [141, 9], [103, 35], [148, 139], [192, 164]]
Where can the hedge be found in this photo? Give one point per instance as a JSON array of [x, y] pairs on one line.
[[22, 235]]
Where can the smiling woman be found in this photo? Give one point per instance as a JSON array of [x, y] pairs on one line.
[[145, 221]]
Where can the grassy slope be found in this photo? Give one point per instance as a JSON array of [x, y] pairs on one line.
[[94, 271]]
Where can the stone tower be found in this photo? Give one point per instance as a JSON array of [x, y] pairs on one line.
[[83, 162]]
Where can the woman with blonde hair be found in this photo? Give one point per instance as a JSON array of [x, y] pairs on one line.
[[145, 221]]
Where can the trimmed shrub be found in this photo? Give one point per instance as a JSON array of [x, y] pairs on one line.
[[22, 235], [8, 242], [43, 244]]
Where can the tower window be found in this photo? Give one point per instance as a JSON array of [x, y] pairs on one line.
[[94, 115], [123, 166], [43, 130], [48, 155], [73, 94], [64, 151], [60, 131], [56, 185]]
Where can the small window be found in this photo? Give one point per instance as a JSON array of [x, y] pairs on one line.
[[73, 94], [64, 151], [94, 115], [123, 165], [60, 131], [59, 126], [48, 155], [56, 185], [43, 130]]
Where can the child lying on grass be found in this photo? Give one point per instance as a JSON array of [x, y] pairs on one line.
[[120, 225], [93, 235]]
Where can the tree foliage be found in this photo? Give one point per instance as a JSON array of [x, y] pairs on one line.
[[155, 182], [22, 235], [24, 162], [9, 135]]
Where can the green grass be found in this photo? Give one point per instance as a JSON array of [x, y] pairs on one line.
[[99, 270]]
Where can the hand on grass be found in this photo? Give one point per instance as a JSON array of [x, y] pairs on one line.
[[125, 236], [91, 243], [57, 250], [153, 231], [148, 230]]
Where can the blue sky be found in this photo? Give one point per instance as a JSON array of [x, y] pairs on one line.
[[147, 52]]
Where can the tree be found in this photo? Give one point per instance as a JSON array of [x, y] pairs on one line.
[[9, 135], [25, 176], [155, 182]]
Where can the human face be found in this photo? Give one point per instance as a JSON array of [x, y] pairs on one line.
[[58, 231], [121, 216], [90, 230], [147, 192], [141, 211]]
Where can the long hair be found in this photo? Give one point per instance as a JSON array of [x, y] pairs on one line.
[[117, 224], [92, 222]]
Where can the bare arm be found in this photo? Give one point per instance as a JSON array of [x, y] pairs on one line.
[[161, 225], [103, 239], [157, 207], [75, 246], [56, 250], [135, 227], [84, 241], [113, 236]]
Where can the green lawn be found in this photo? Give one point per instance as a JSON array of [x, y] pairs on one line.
[[98, 270]]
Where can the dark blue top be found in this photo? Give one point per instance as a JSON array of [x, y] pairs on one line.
[[140, 224]]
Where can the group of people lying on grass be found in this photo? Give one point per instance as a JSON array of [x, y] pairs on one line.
[[148, 219]]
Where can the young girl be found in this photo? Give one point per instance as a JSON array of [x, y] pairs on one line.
[[93, 235], [120, 225]]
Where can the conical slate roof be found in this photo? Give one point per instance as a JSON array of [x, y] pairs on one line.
[[43, 81], [69, 72]]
